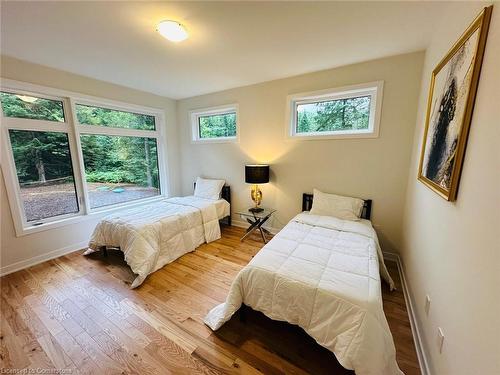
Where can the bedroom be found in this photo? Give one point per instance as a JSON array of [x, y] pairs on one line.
[[251, 64]]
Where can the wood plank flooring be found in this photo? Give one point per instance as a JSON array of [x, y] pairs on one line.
[[78, 314]]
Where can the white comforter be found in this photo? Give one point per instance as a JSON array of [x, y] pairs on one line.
[[322, 274], [154, 235]]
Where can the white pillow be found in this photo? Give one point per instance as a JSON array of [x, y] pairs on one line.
[[341, 207], [209, 189]]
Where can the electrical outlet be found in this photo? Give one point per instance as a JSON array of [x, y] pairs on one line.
[[440, 339], [427, 304]]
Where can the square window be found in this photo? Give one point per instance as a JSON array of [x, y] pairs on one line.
[[333, 115], [219, 124], [347, 112]]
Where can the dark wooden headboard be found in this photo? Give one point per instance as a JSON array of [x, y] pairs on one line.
[[226, 193], [307, 201]]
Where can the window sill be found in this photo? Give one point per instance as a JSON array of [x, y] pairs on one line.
[[216, 140], [339, 135], [95, 214]]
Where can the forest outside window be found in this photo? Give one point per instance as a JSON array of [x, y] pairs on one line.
[[92, 115], [61, 164], [44, 173], [119, 153], [348, 112], [119, 169], [218, 124], [31, 107]]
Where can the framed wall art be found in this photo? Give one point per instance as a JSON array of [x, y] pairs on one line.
[[452, 94]]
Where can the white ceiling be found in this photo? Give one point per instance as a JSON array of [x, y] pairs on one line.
[[231, 44]]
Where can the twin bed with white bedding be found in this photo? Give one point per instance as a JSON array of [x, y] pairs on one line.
[[156, 234], [322, 273]]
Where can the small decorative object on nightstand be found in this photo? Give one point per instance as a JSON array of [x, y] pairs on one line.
[[256, 221], [256, 174]]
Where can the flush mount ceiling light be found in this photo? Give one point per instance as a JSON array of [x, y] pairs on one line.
[[172, 31]]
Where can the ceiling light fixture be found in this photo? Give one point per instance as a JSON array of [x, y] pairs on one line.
[[27, 99], [172, 31]]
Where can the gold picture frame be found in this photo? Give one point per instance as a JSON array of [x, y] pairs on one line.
[[450, 104]]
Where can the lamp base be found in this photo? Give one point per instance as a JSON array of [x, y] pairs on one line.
[[255, 209]]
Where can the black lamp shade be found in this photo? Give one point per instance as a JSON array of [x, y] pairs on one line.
[[256, 174]]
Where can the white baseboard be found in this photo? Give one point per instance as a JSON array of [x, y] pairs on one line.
[[5, 270], [417, 337]]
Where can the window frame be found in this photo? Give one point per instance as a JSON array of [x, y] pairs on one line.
[[372, 89], [85, 101], [10, 173], [73, 129], [14, 120], [194, 116]]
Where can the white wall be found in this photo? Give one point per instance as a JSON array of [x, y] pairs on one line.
[[368, 168], [451, 250], [17, 252]]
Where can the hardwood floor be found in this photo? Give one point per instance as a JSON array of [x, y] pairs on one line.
[[78, 313]]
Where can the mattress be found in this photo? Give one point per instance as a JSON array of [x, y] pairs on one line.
[[324, 275]]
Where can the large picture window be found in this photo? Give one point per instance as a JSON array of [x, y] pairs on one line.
[[119, 169], [67, 156], [347, 112]]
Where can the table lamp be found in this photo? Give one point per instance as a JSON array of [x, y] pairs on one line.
[[256, 174]]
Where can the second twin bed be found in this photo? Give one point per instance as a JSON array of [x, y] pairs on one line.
[[322, 273]]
